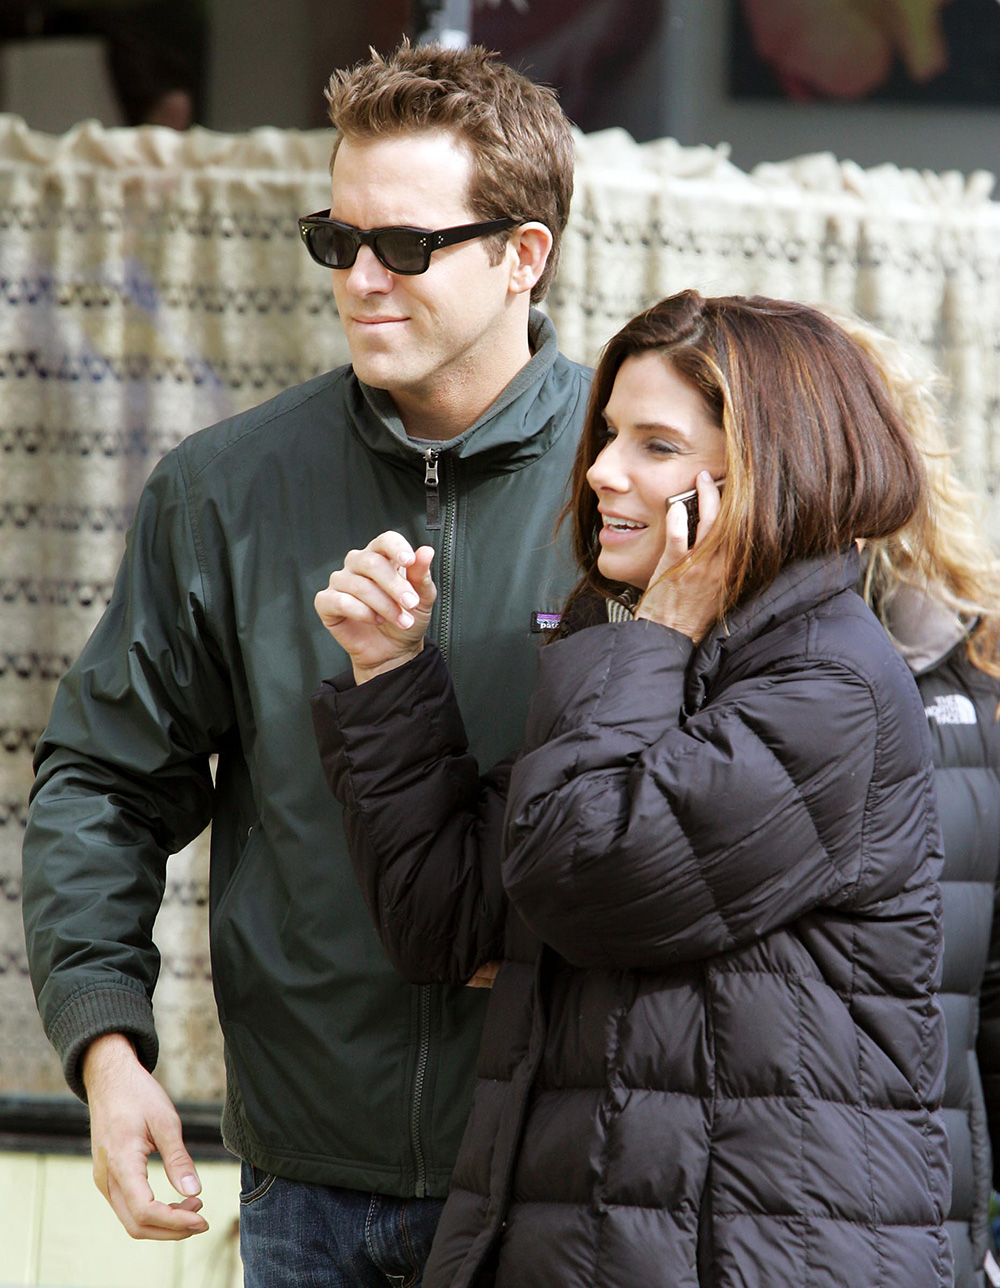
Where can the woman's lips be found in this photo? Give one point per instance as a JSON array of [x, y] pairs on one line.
[[617, 536]]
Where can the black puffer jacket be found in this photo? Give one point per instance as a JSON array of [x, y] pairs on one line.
[[961, 705], [724, 1066]]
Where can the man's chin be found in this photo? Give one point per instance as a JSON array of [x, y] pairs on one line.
[[382, 372]]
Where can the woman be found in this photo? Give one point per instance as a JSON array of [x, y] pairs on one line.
[[713, 1053], [937, 591]]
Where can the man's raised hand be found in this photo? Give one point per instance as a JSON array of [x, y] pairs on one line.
[[378, 606]]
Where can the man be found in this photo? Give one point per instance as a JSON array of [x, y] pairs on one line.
[[456, 425]]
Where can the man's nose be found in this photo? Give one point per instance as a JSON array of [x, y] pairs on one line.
[[368, 275]]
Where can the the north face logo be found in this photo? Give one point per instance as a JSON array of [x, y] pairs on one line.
[[952, 709]]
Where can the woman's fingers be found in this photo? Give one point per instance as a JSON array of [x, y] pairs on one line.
[[688, 600], [709, 502], [676, 541]]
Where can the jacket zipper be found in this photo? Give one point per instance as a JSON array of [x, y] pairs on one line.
[[446, 569], [423, 1054], [432, 493]]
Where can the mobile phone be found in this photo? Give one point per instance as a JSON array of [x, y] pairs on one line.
[[690, 502]]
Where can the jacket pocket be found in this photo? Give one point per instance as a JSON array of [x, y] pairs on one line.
[[227, 907]]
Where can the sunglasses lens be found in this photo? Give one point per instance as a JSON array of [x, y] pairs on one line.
[[402, 252], [334, 247]]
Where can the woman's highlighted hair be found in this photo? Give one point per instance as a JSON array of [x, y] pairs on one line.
[[817, 452]]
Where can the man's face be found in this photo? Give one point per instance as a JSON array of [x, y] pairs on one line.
[[416, 336]]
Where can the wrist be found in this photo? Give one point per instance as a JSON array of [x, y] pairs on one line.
[[363, 673], [106, 1053]]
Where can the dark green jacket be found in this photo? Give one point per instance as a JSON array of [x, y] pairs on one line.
[[338, 1071]]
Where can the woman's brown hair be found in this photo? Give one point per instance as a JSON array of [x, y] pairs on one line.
[[817, 453]]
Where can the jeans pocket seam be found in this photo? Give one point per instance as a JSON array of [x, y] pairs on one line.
[[259, 1191]]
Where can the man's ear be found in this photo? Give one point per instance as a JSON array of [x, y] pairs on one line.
[[531, 244]]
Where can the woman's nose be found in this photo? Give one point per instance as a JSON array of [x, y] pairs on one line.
[[607, 471]]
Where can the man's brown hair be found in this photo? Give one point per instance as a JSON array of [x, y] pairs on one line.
[[518, 136], [817, 452]]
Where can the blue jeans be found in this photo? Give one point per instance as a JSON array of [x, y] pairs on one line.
[[297, 1235]]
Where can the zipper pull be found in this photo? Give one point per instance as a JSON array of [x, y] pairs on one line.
[[431, 489]]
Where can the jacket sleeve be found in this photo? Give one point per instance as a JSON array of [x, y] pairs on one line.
[[636, 838], [423, 829], [988, 1042], [122, 781]]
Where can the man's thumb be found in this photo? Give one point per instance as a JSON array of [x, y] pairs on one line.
[[180, 1169]]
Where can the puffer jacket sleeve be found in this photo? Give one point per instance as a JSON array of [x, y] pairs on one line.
[[424, 830], [123, 780], [988, 1042], [636, 838]]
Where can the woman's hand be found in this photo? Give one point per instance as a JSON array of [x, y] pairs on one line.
[[689, 602], [378, 605], [484, 976]]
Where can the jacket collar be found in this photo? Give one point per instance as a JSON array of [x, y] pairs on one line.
[[519, 426], [923, 628], [797, 588]]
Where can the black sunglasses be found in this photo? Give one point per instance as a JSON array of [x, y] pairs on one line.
[[401, 250]]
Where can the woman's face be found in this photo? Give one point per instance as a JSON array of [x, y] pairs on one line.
[[660, 434]]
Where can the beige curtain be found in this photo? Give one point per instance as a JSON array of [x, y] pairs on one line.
[[152, 283]]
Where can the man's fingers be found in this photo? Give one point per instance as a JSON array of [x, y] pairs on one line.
[[378, 582], [144, 1216], [354, 600], [160, 1221], [394, 547], [419, 575], [101, 1170]]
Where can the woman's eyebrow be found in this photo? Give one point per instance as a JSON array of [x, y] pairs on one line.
[[659, 426]]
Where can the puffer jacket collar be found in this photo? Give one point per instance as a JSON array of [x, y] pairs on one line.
[[796, 589], [516, 429]]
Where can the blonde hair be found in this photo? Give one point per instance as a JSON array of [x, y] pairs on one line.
[[519, 138], [945, 554]]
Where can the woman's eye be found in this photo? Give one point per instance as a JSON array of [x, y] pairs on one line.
[[660, 448]]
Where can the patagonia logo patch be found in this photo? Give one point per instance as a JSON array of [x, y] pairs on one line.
[[952, 709], [542, 622]]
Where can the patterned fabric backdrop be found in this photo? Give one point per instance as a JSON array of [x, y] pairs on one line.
[[151, 283]]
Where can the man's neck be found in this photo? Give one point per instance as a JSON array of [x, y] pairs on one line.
[[457, 402]]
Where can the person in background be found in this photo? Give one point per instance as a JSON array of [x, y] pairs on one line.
[[937, 591], [715, 1054], [156, 49], [456, 422]]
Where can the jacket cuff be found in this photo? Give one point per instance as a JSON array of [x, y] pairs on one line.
[[354, 724], [381, 692], [93, 1011]]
